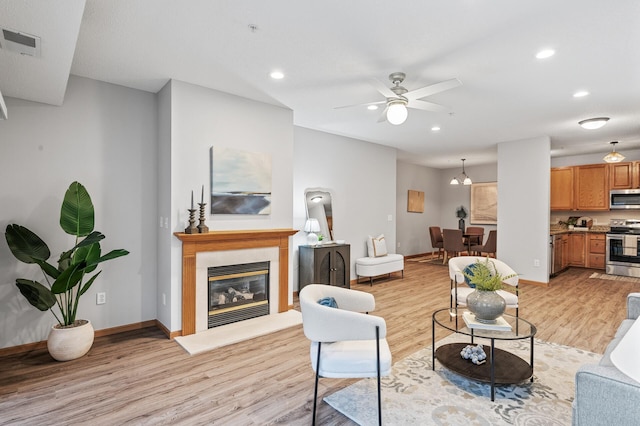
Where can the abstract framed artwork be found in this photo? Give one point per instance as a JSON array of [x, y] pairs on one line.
[[240, 182], [415, 201], [484, 203]]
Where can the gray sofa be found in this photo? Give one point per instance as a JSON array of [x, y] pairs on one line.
[[604, 395]]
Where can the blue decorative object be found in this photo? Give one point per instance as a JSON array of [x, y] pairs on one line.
[[469, 272], [328, 301]]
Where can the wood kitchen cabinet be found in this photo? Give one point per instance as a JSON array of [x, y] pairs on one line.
[[596, 244], [624, 175], [591, 185], [321, 264], [561, 188], [577, 249], [565, 251]]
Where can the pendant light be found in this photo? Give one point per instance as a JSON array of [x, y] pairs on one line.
[[462, 177], [613, 156]]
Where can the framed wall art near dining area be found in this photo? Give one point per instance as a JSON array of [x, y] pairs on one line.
[[484, 203]]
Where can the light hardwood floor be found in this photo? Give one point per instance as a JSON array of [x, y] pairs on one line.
[[142, 377]]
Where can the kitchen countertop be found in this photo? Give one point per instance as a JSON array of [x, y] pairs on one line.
[[556, 229]]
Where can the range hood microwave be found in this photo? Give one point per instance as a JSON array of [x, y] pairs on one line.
[[624, 199]]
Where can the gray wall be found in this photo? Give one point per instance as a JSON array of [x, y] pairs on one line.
[[104, 136], [362, 179]]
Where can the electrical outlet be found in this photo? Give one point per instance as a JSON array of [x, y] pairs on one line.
[[398, 245], [101, 298], [390, 218], [536, 262]]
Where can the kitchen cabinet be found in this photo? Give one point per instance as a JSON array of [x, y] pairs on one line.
[[596, 249], [322, 264], [624, 175], [577, 249], [561, 188], [565, 251], [591, 187]]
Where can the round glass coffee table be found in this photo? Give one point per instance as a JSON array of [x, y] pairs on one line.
[[501, 367]]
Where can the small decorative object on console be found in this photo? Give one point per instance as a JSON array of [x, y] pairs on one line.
[[474, 353]]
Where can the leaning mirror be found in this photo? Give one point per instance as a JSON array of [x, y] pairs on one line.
[[318, 205]]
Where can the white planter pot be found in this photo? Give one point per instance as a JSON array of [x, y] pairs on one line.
[[70, 342]]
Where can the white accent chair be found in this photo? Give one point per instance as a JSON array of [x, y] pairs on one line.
[[459, 293], [345, 342]]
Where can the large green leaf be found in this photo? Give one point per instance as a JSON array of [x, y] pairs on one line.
[[37, 294], [85, 287], [69, 278], [89, 254], [111, 255], [26, 246], [77, 214]]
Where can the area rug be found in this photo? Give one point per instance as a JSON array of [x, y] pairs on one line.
[[238, 331], [414, 394], [614, 277]]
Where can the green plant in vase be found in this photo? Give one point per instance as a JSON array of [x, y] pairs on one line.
[[64, 283], [485, 302]]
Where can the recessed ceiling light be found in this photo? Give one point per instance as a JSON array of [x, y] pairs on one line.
[[581, 94], [545, 53], [435, 128], [277, 75], [372, 107], [593, 123]]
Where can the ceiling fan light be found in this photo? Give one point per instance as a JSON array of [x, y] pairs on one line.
[[593, 123], [397, 113]]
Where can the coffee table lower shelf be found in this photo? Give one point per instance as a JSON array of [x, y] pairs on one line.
[[509, 368]]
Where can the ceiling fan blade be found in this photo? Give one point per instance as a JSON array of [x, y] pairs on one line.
[[427, 106], [355, 105], [380, 87], [433, 89], [383, 116]]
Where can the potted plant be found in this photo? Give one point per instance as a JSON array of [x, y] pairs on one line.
[[65, 283], [461, 214], [485, 303]]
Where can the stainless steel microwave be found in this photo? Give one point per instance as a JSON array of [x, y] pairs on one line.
[[624, 199]]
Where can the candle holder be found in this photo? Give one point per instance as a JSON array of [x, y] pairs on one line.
[[192, 228], [202, 228]]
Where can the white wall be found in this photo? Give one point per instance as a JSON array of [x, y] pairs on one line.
[[200, 119], [103, 136], [362, 179], [523, 206]]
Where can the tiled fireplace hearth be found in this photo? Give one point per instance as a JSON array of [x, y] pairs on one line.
[[217, 248]]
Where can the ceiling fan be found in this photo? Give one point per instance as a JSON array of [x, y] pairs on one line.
[[399, 98]]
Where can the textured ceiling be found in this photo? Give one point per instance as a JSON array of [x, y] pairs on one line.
[[330, 50]]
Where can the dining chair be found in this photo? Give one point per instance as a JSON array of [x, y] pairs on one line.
[[346, 342], [460, 291], [436, 239], [453, 243], [489, 247], [473, 236]]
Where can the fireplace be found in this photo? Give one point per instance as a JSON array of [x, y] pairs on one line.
[[237, 292], [218, 248]]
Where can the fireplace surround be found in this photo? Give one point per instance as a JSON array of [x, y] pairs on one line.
[[216, 243]]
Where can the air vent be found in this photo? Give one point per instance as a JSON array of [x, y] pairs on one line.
[[22, 43]]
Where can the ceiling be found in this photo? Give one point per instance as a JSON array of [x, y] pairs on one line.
[[330, 50]]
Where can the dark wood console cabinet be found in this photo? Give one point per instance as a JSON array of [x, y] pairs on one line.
[[324, 264]]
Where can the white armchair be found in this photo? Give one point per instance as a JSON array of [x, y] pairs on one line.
[[459, 294], [345, 342]]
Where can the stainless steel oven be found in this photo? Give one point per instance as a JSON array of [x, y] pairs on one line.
[[622, 251]]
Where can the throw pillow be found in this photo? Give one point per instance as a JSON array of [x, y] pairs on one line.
[[328, 301], [379, 246], [469, 271]]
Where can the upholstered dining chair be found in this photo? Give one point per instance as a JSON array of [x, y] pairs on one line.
[[473, 236], [460, 291], [453, 243], [489, 247], [345, 341], [436, 239]]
